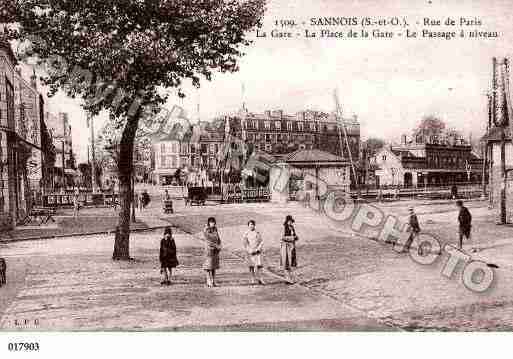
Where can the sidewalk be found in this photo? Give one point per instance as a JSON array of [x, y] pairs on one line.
[[90, 221]]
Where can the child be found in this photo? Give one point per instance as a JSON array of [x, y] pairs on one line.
[[168, 259], [253, 243], [212, 248], [288, 248]]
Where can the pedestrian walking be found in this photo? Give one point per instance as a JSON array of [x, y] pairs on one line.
[[414, 228], [212, 249], [76, 203], [253, 245], [465, 222], [288, 259], [167, 256]]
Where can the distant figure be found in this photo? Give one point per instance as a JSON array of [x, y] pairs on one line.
[[454, 191], [76, 203], [167, 256], [414, 227], [253, 243], [3, 270], [139, 201], [288, 258], [167, 197], [465, 222], [145, 199], [212, 249]]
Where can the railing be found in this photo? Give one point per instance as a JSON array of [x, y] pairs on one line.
[[85, 199], [259, 194]]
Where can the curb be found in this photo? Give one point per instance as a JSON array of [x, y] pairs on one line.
[[55, 236]]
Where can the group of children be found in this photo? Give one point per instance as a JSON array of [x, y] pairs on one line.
[[252, 242]]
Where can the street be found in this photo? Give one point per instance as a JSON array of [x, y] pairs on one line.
[[345, 281]]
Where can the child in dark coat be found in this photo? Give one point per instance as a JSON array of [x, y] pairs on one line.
[[167, 257]]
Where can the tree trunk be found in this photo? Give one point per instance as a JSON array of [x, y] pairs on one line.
[[125, 168]]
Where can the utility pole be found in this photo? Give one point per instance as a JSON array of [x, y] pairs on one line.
[[63, 167], [90, 121], [343, 125]]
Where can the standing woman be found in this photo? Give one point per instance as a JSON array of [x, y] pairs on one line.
[[212, 249], [288, 248]]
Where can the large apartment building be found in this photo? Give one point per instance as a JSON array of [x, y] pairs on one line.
[[204, 145]]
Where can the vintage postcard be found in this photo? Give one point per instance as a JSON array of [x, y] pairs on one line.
[[255, 165]]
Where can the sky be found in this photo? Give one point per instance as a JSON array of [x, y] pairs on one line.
[[390, 84]]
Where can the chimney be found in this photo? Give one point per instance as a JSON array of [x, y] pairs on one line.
[[403, 139], [267, 113]]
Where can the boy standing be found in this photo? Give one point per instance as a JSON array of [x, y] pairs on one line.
[[253, 243]]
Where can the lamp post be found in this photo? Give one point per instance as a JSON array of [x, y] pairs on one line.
[[468, 168]]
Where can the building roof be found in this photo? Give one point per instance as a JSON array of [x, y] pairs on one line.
[[313, 155], [403, 153]]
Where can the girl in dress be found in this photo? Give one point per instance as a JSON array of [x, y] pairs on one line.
[[168, 259], [212, 249], [288, 248], [253, 243]]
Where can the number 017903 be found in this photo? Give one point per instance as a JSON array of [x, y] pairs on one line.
[[23, 347]]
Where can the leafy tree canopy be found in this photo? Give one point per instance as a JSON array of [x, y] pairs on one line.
[[128, 49]]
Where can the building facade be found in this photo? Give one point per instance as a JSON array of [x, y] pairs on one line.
[[422, 163], [21, 168], [498, 142], [215, 148], [277, 133]]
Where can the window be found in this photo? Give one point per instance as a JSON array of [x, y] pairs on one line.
[[268, 147], [289, 126], [312, 126], [267, 137], [250, 137], [173, 162], [300, 126], [162, 148], [384, 158], [212, 148], [278, 138], [163, 161], [257, 137], [204, 148], [278, 125]]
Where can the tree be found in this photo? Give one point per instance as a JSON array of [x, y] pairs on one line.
[[429, 129], [85, 171], [118, 55]]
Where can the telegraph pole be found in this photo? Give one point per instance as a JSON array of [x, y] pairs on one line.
[[93, 158]]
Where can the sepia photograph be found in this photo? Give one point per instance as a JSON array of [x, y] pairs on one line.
[[254, 166]]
